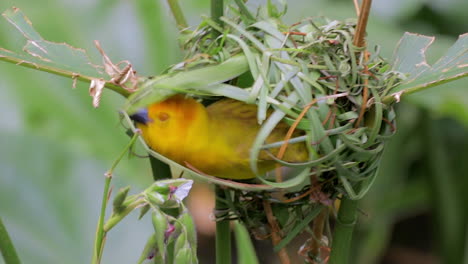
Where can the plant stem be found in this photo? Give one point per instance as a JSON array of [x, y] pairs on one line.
[[389, 99], [115, 219], [317, 228], [347, 215], [223, 231], [64, 73], [243, 9], [178, 14], [356, 6], [360, 41], [217, 9], [276, 235], [100, 236], [359, 37], [341, 244], [6, 247]]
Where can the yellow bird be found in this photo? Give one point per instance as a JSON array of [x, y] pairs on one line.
[[215, 140]]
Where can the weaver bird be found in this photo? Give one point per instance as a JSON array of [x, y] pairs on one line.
[[215, 140]]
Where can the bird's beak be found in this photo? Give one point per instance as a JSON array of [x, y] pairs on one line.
[[141, 116]]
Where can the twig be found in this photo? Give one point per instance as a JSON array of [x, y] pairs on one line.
[[65, 73], [359, 37], [317, 228], [360, 41], [275, 232], [356, 6], [290, 132], [365, 92]]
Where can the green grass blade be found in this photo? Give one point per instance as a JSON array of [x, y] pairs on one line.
[[6, 246], [299, 227], [245, 249], [162, 88]]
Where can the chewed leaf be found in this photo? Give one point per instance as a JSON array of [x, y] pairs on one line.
[[409, 59], [65, 60], [40, 52], [410, 54]]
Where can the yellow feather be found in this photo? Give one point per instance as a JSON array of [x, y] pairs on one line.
[[215, 139]]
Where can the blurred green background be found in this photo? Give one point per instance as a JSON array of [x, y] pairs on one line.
[[55, 147]]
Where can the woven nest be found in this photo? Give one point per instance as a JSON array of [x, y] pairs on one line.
[[314, 79]]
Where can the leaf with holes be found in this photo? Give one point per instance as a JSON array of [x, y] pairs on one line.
[[410, 59], [65, 60], [57, 57]]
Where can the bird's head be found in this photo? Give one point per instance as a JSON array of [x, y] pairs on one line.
[[177, 108], [173, 117]]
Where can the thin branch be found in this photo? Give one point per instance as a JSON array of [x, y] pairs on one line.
[[359, 37], [360, 41], [275, 232], [317, 228], [356, 6], [365, 92], [396, 97], [64, 73]]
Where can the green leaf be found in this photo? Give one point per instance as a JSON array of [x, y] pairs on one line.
[[57, 58], [119, 199], [410, 59], [6, 246], [183, 256], [155, 199], [143, 211], [186, 220], [148, 249], [187, 81], [41, 52], [245, 249], [160, 225], [181, 242]]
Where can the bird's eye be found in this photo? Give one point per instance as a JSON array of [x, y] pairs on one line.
[[163, 116]]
